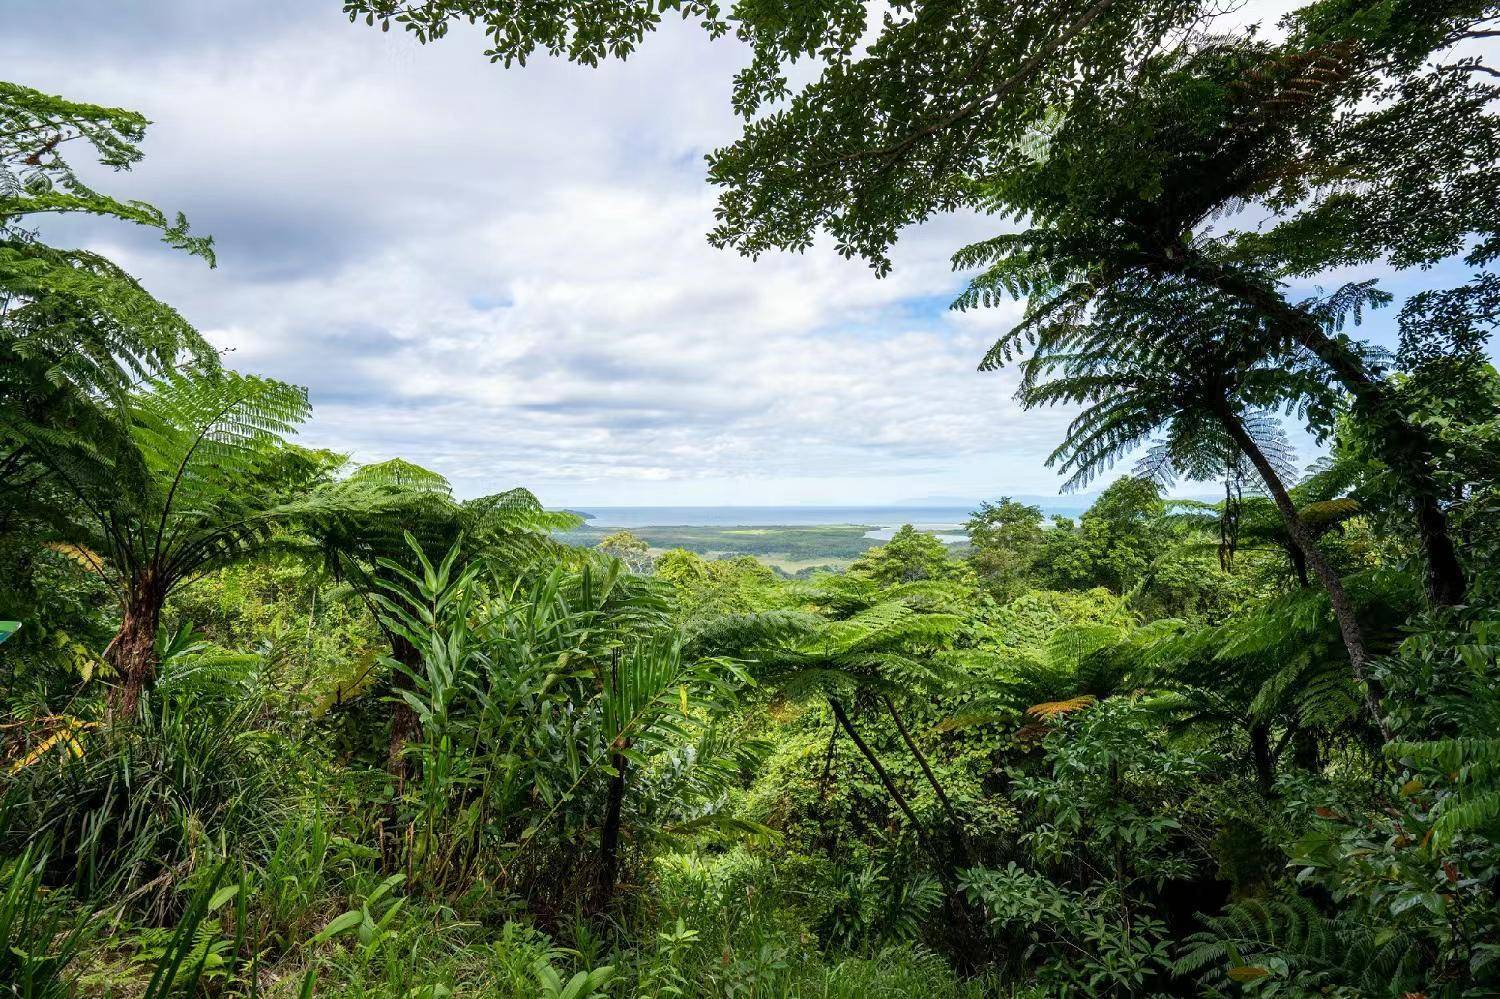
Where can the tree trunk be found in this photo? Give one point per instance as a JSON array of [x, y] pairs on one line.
[[1229, 524], [1403, 445], [1305, 752], [1338, 597], [1262, 757], [828, 841], [956, 835], [1446, 584], [614, 805], [1299, 563], [132, 652], [944, 865], [833, 736], [609, 836], [405, 726]]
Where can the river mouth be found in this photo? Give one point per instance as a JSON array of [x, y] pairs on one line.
[[948, 534]]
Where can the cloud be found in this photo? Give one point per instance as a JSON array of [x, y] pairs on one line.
[[503, 274]]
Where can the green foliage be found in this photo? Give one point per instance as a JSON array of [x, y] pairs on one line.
[[871, 906], [76, 331], [866, 635], [1079, 941], [1107, 830], [908, 557], [34, 176], [705, 591], [1122, 755], [1128, 544], [1102, 766], [923, 99], [40, 938], [204, 467], [628, 549], [72, 316], [1007, 540], [203, 479], [132, 812], [525, 700], [357, 521], [583, 985], [1287, 947]]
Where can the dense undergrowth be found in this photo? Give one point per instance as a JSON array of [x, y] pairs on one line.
[[1054, 790], [274, 725]]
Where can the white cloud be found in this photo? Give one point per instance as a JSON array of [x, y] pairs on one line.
[[503, 274]]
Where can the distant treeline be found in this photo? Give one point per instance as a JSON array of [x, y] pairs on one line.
[[830, 541]]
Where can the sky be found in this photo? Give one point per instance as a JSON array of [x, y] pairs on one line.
[[502, 275]]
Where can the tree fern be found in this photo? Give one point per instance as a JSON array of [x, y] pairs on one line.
[[1290, 929], [76, 331], [203, 478], [1288, 941], [1472, 764]]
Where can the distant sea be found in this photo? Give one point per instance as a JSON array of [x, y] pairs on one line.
[[884, 519]]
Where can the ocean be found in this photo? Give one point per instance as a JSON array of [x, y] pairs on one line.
[[770, 516], [885, 519]]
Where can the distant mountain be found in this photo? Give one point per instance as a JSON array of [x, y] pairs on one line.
[[1068, 503]]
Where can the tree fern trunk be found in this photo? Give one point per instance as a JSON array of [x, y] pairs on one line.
[[609, 836], [1338, 597], [132, 652], [1402, 444], [1299, 563], [614, 805], [827, 839], [1262, 757], [404, 724], [1305, 752], [958, 839], [944, 865], [964, 927]]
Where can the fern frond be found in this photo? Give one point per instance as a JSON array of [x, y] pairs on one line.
[[1056, 709]]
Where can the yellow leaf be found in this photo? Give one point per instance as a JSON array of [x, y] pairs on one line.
[[1248, 973], [1054, 709], [78, 553], [66, 736], [1411, 787], [37, 753]]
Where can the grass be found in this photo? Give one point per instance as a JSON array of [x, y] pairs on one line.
[[791, 566], [707, 925]]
